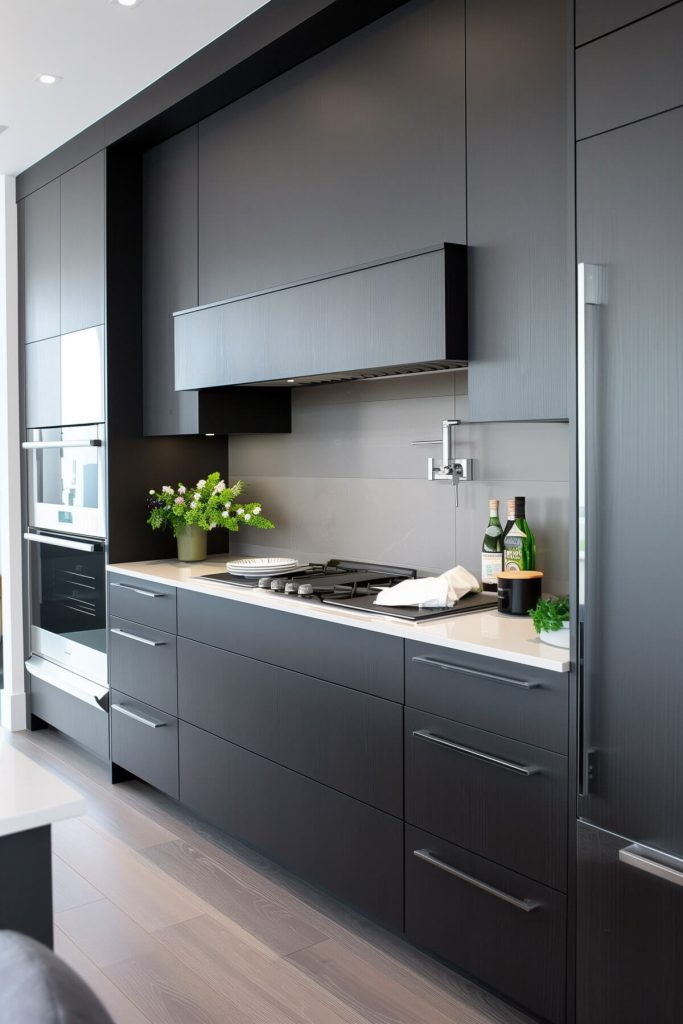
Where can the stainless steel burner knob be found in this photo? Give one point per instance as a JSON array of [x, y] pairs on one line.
[[265, 583], [277, 585], [291, 587], [305, 590]]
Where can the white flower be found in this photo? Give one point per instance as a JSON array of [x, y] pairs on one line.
[[197, 496], [225, 514], [213, 526], [151, 492], [166, 489], [180, 501], [257, 510], [201, 483], [247, 517], [228, 504], [220, 486], [182, 489], [240, 511], [193, 504]]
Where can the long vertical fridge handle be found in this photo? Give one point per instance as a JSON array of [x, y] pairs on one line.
[[591, 290]]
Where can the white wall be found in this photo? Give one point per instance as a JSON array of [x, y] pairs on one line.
[[12, 697]]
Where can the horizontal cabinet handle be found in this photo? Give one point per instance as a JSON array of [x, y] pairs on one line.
[[499, 762], [526, 905], [61, 542], [138, 639], [138, 590], [149, 722], [636, 857], [86, 442], [435, 663]]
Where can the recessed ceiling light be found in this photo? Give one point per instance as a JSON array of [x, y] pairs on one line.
[[46, 79], [290, 380], [126, 3]]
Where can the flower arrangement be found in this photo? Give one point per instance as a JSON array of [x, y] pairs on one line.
[[208, 504]]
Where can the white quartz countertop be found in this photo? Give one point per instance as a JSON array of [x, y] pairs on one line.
[[488, 633], [31, 796]]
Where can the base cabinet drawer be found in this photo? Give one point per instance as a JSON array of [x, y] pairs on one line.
[[492, 923], [331, 840], [348, 740], [524, 703], [142, 663], [149, 603], [85, 722], [504, 800], [145, 742]]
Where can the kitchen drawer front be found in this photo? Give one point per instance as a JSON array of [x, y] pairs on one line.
[[142, 663], [502, 799], [630, 74], [357, 658], [350, 741], [494, 924], [87, 723], [518, 701], [145, 742], [150, 604], [331, 840]]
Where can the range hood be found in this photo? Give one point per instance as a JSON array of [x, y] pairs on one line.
[[404, 315]]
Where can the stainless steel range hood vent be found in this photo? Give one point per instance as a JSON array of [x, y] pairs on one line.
[[386, 318]]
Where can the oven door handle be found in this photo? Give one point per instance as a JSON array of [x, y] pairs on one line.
[[61, 542], [86, 442]]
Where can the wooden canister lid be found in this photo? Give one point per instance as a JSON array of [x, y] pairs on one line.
[[526, 574]]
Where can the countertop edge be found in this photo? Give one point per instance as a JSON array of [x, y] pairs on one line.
[[404, 630]]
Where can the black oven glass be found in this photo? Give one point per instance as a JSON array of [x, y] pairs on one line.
[[68, 594]]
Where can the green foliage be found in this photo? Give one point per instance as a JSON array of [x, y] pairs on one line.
[[550, 615], [208, 504]]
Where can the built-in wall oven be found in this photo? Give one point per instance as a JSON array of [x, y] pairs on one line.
[[66, 490]]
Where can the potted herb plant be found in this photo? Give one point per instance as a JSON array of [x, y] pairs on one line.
[[551, 621], [192, 511]]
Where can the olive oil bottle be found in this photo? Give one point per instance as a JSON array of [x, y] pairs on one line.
[[519, 546], [492, 549]]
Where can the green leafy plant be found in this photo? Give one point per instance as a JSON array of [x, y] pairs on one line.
[[550, 615], [207, 504]]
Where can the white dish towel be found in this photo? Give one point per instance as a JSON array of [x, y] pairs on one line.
[[431, 591]]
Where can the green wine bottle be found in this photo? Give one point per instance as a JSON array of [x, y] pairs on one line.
[[492, 549], [519, 546]]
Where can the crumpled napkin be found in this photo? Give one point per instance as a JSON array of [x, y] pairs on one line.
[[431, 591]]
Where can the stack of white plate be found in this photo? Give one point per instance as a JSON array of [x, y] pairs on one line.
[[257, 567]]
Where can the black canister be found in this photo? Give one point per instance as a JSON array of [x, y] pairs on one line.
[[518, 592]]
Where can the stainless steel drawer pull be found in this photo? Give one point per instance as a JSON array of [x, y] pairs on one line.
[[435, 663], [138, 590], [86, 442], [150, 722], [636, 857], [138, 639], [441, 741], [526, 905]]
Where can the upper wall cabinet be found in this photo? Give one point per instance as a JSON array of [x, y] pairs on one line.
[[352, 156], [82, 245], [520, 214], [39, 271], [597, 17]]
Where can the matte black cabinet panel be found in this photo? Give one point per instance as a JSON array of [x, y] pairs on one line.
[[355, 154], [43, 397], [629, 937], [344, 846], [492, 923], [630, 221], [518, 701], [520, 219], [39, 275], [82, 245], [144, 741], [357, 658], [142, 664], [344, 739], [597, 17], [504, 800], [149, 603], [410, 310], [630, 74], [85, 722], [169, 275]]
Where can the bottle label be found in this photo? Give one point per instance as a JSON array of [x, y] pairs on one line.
[[514, 553], [516, 532], [491, 563], [493, 531]]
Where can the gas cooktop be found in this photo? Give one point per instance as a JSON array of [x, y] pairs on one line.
[[351, 585]]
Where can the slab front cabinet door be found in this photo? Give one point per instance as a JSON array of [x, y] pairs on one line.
[[39, 263]]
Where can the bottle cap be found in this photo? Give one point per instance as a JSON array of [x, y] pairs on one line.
[[493, 505], [511, 508], [520, 508]]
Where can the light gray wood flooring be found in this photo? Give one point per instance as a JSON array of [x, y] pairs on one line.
[[171, 922]]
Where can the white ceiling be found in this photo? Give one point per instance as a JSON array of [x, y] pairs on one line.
[[103, 53]]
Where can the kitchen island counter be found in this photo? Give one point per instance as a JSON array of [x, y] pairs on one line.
[[488, 633]]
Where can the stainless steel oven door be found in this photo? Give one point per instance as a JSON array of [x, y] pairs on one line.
[[68, 610], [66, 489]]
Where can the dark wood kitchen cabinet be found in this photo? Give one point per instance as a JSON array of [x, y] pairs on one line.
[[519, 208], [39, 263], [82, 245]]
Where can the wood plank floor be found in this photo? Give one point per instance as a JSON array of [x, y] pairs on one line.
[[171, 922]]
